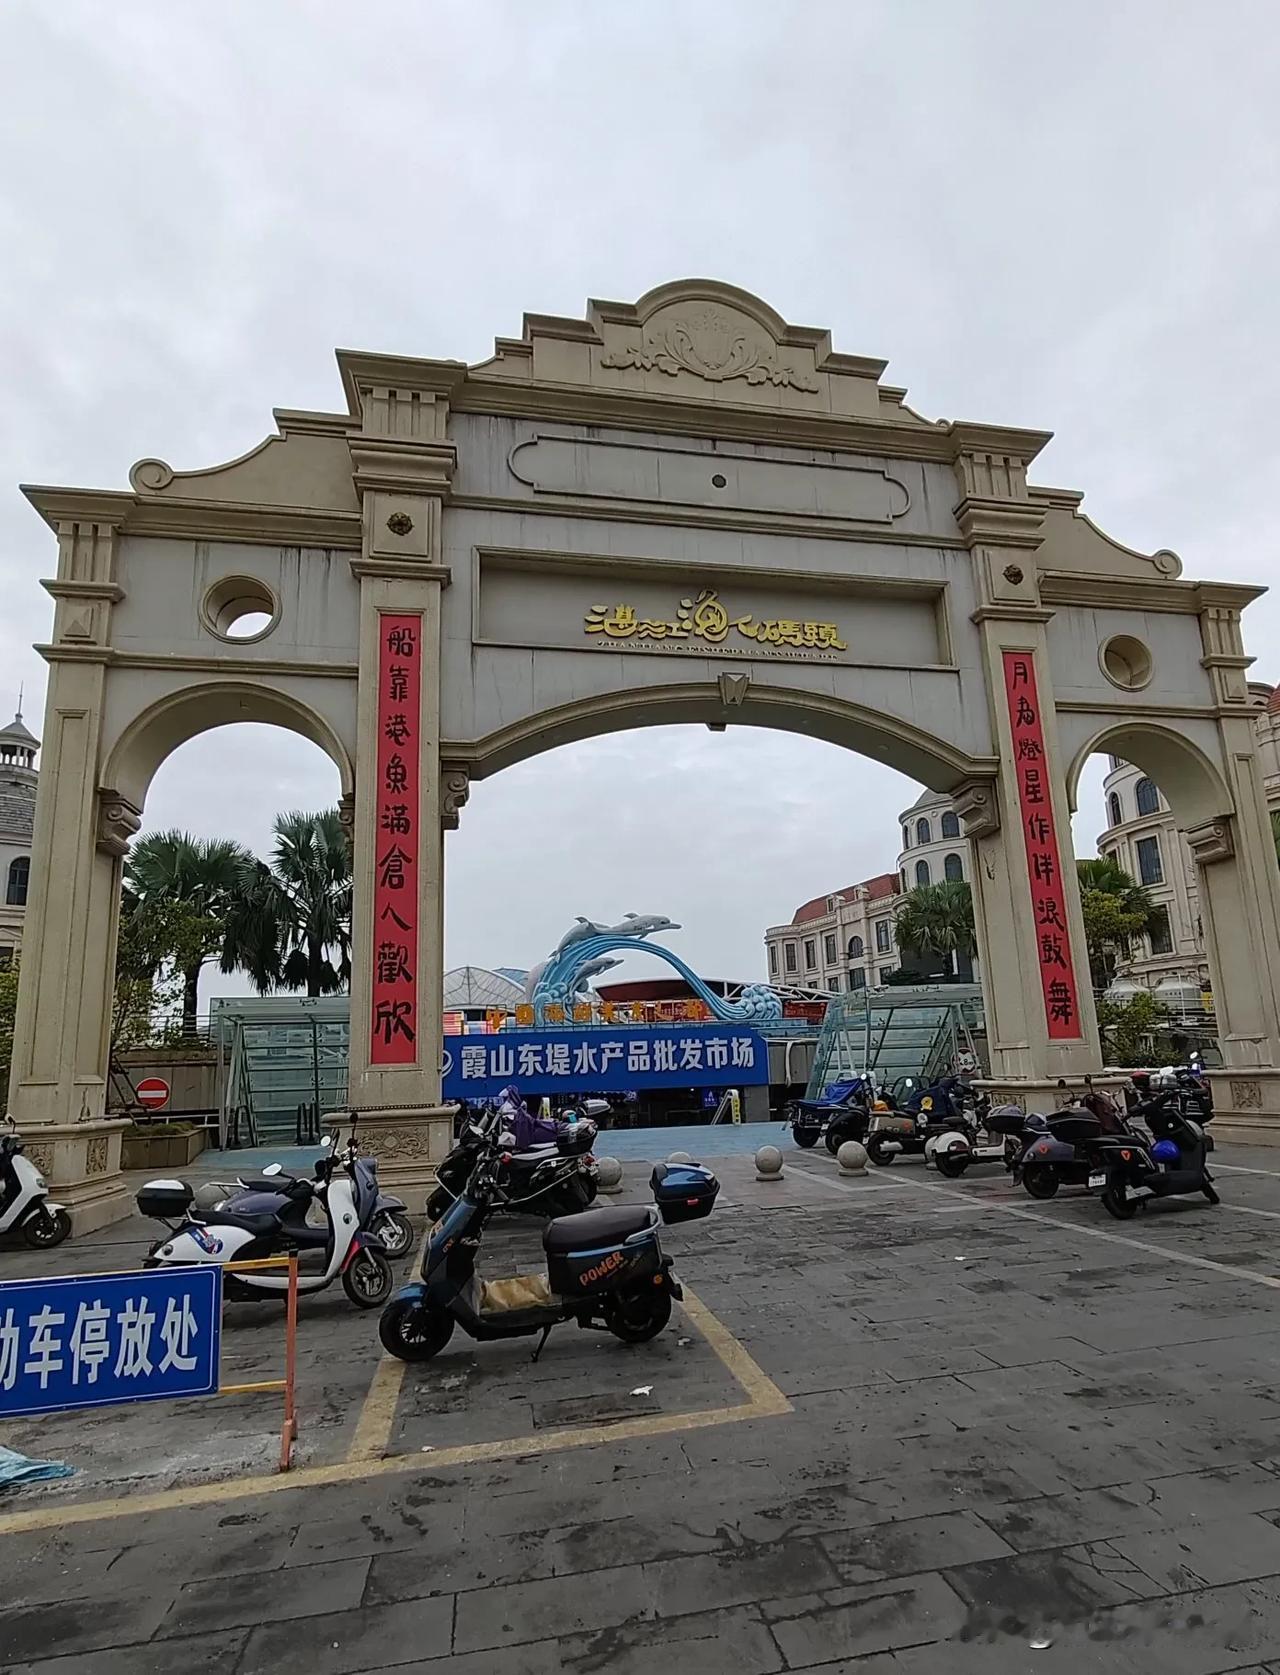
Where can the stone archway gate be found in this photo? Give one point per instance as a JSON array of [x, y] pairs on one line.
[[681, 509]]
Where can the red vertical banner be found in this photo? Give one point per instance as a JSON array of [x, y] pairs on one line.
[[394, 1009], [1040, 839]]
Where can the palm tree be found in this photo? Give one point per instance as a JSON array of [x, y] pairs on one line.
[[1112, 880], [291, 926], [1115, 909], [209, 875], [937, 919]]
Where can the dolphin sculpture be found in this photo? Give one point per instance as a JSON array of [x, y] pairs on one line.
[[593, 968], [579, 931], [640, 924]]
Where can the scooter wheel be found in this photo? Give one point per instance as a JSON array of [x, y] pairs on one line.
[[413, 1331], [368, 1281], [46, 1228], [950, 1166], [395, 1230], [833, 1139], [804, 1138], [1041, 1180], [639, 1316], [876, 1152], [1116, 1204]]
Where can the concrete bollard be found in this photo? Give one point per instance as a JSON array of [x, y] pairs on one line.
[[679, 1157], [768, 1164], [608, 1174], [852, 1158]]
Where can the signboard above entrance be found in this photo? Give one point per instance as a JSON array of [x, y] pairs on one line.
[[706, 621], [604, 1061]]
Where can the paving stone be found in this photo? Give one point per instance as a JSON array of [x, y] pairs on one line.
[[906, 1547], [31, 1632], [375, 1638], [1205, 1554], [204, 1654], [233, 1601], [854, 1622]]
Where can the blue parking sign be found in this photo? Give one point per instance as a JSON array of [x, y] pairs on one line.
[[98, 1339]]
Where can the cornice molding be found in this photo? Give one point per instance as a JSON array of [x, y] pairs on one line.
[[238, 522], [83, 590], [215, 666], [402, 570]]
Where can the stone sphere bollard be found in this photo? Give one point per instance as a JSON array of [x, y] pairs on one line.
[[679, 1157], [768, 1164], [608, 1174], [852, 1158]]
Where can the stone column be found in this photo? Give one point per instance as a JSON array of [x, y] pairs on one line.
[[403, 464], [1033, 1040], [58, 1082]]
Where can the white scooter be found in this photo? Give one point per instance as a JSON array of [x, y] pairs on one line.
[[273, 1223], [24, 1197]]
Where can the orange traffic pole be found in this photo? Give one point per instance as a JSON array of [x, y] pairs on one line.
[[290, 1431]]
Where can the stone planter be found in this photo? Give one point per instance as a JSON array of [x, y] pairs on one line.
[[160, 1151]]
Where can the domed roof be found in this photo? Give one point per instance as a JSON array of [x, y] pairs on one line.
[[17, 733], [926, 799]]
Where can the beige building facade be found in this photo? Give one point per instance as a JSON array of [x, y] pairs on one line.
[[683, 509], [18, 780], [1142, 837]]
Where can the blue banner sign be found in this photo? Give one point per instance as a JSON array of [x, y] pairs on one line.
[[604, 1060], [99, 1339]]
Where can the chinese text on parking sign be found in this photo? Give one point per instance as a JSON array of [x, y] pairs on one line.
[[394, 1011], [105, 1338], [1040, 838]]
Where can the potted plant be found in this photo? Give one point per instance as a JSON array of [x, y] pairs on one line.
[[160, 1145]]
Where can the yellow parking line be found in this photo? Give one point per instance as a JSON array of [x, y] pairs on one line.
[[766, 1401], [378, 1410]]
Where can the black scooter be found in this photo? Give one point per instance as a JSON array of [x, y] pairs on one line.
[[555, 1179], [605, 1269], [1173, 1163]]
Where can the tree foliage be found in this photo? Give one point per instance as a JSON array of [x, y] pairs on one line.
[[160, 940], [937, 919], [291, 925], [1128, 1028], [1115, 910], [8, 1011]]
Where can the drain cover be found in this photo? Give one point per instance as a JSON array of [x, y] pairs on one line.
[[592, 1410]]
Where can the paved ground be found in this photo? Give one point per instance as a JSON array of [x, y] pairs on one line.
[[905, 1426]]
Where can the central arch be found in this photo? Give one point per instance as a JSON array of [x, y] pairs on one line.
[[884, 738]]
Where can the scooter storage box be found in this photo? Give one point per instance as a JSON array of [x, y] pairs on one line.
[[574, 1273], [683, 1191], [164, 1200], [1000, 1122], [1075, 1127]]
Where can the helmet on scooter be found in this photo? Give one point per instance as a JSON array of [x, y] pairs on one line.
[[1166, 1151]]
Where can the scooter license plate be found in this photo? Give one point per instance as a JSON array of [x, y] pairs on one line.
[[1098, 1180]]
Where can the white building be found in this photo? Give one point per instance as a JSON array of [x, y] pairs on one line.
[[1142, 838], [934, 848], [18, 778]]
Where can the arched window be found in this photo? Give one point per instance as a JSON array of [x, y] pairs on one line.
[[902, 874], [906, 837], [951, 824], [953, 869], [923, 834], [922, 872], [19, 872], [1147, 797], [1117, 813], [856, 949]]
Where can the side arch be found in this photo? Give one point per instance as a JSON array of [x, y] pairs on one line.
[[885, 738], [168, 722], [1191, 782]]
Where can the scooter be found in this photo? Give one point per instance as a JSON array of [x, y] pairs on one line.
[[24, 1197], [558, 1177], [843, 1106], [1171, 1164], [274, 1224], [910, 1130], [388, 1216], [1064, 1149], [605, 1269]]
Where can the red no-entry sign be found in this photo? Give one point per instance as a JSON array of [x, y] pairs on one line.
[[153, 1092]]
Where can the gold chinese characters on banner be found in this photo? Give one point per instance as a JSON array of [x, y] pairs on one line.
[[706, 621]]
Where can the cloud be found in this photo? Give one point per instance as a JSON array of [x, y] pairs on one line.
[[1056, 217]]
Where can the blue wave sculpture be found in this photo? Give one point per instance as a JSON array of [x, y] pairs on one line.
[[560, 980]]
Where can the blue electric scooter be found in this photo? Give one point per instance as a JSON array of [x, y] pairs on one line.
[[605, 1269]]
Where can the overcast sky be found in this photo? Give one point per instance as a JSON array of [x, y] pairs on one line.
[[1056, 215]]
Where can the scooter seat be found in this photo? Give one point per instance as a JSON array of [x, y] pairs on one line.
[[261, 1226], [596, 1227]]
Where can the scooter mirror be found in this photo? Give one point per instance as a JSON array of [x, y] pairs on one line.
[[326, 1142], [273, 1169]]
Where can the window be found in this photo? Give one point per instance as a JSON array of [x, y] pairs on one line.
[[773, 959], [19, 872], [831, 904], [906, 837], [857, 979], [1161, 937], [789, 956], [1150, 871], [922, 872], [923, 834], [1117, 813], [886, 972], [883, 944], [833, 983], [829, 955], [6, 958], [902, 874], [810, 954], [950, 824], [855, 948], [1147, 797], [953, 869]]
